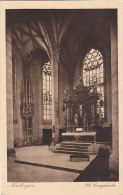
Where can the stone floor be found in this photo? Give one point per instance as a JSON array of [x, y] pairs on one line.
[[48, 171]]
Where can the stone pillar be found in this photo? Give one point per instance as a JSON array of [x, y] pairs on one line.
[[55, 97], [107, 88], [9, 94], [114, 158]]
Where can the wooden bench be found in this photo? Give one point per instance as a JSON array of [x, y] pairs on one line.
[[79, 156]]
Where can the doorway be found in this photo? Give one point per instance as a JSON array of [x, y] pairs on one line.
[[47, 136]]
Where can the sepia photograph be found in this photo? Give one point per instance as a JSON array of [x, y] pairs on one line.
[[61, 91], [62, 95]]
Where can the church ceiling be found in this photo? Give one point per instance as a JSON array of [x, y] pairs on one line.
[[42, 30], [68, 31]]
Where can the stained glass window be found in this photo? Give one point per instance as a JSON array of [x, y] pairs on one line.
[[47, 92], [93, 75]]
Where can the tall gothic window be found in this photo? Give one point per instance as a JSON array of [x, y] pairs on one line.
[[93, 75], [47, 92]]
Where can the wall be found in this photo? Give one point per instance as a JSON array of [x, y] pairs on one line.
[[63, 85], [36, 88], [104, 48], [107, 89], [114, 159], [77, 75], [10, 136], [17, 127], [35, 72]]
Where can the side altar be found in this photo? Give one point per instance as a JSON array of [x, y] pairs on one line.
[[82, 107]]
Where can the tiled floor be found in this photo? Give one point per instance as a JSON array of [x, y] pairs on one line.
[[41, 155]]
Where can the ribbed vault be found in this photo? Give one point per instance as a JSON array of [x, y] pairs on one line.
[[67, 32]]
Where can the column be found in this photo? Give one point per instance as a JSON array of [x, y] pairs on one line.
[[55, 98], [114, 158], [9, 94]]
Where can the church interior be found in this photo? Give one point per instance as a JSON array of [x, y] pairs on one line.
[[62, 94]]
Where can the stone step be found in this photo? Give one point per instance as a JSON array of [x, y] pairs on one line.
[[76, 143], [71, 152], [73, 146], [72, 149]]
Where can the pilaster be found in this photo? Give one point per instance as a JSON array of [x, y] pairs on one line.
[[114, 159], [9, 91], [55, 98]]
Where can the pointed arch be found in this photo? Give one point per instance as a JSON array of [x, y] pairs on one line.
[[93, 75], [47, 93]]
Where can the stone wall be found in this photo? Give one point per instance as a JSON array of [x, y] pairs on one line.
[[105, 51], [36, 88], [63, 85], [17, 127], [10, 136], [114, 159]]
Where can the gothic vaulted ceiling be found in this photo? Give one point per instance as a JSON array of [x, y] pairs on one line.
[[69, 32]]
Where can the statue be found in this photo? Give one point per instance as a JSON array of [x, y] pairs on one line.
[[76, 120], [85, 121]]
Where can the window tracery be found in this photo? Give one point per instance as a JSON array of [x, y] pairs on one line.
[[47, 92], [93, 76]]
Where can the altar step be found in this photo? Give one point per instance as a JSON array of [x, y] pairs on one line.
[[76, 143], [73, 148], [70, 152]]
